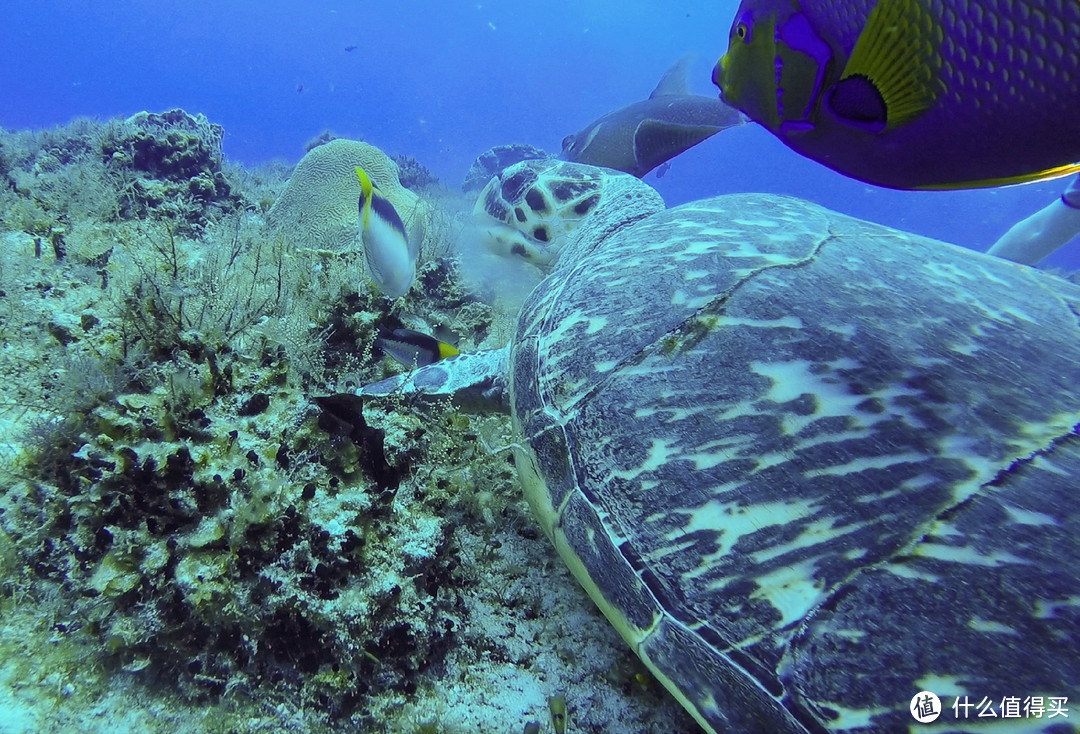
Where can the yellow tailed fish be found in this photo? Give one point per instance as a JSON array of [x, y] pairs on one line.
[[390, 258], [414, 348], [913, 94]]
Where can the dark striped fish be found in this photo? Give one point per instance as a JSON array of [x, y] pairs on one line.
[[414, 348]]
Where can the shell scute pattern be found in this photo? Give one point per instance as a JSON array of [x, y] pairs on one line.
[[643, 279], [757, 429]]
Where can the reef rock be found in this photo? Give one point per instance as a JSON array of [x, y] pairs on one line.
[[493, 161], [174, 160]]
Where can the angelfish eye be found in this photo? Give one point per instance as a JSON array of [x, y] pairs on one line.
[[742, 27]]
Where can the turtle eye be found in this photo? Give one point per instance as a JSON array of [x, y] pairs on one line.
[[742, 27]]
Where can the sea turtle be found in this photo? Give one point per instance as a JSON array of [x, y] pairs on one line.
[[813, 469]]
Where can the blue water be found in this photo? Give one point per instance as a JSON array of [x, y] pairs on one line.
[[440, 80]]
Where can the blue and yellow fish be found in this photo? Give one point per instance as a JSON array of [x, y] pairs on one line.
[[390, 257], [913, 94]]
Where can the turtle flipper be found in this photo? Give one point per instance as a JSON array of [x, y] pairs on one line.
[[474, 381]]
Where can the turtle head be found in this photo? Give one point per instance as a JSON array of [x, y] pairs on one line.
[[541, 206]]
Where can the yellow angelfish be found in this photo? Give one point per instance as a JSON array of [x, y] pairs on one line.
[[391, 259], [913, 94]]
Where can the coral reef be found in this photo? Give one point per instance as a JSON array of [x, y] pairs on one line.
[[171, 145], [164, 166], [413, 174], [494, 160], [318, 207], [177, 166], [183, 520], [321, 139]]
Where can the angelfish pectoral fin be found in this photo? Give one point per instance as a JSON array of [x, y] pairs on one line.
[[897, 55]]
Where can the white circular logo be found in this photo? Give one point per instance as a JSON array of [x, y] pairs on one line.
[[925, 707]]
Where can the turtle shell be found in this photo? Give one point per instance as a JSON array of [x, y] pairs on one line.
[[810, 466]]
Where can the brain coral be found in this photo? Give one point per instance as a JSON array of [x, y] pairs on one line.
[[318, 208]]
